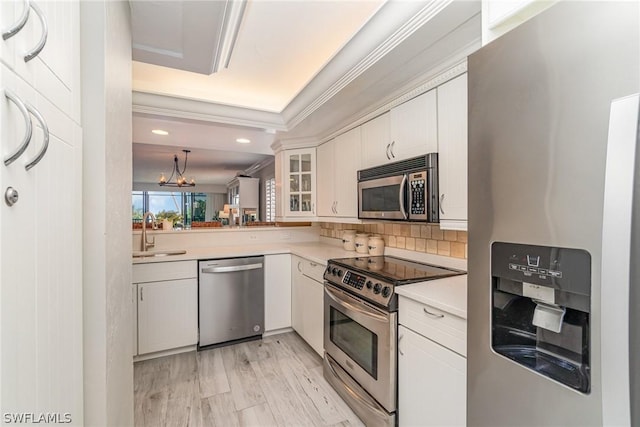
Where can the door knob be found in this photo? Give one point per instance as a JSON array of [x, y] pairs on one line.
[[11, 196]]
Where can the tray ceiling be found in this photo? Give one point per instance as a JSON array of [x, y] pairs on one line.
[[299, 69], [280, 47]]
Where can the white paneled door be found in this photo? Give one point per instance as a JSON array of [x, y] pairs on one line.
[[41, 360]]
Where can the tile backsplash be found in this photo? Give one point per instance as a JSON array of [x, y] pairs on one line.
[[426, 238]]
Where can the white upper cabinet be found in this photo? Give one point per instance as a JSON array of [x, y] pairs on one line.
[[296, 184], [408, 130], [414, 127], [376, 141], [347, 162], [338, 164], [8, 21], [326, 178], [45, 51], [244, 194], [452, 157]]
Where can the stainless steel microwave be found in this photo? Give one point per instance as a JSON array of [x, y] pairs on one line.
[[406, 190]]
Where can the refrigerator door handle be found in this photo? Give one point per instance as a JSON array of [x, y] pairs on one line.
[[618, 362]]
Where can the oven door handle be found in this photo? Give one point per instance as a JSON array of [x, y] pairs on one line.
[[365, 401], [401, 200], [354, 305]]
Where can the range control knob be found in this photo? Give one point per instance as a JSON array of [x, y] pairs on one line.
[[377, 288], [386, 291], [334, 271], [339, 273], [328, 270], [369, 284]]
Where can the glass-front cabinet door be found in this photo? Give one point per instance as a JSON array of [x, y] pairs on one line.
[[300, 182]]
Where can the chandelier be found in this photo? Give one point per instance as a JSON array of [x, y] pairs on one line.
[[181, 181]]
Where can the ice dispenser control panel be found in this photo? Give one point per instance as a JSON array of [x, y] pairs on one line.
[[564, 269]]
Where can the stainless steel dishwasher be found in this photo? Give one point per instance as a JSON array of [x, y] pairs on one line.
[[230, 300]]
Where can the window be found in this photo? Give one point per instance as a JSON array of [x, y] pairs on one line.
[[138, 207], [181, 207], [199, 206], [270, 196]]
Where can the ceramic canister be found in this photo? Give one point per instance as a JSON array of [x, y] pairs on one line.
[[361, 241], [349, 240], [376, 245]]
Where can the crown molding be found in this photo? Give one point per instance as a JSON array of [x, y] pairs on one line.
[[294, 143], [258, 166], [366, 45], [448, 69], [172, 106]]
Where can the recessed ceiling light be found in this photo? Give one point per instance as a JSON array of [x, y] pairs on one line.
[[243, 140], [160, 132]]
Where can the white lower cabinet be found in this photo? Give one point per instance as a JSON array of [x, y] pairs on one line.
[[431, 382], [167, 315], [166, 308], [277, 292], [307, 293], [432, 365]]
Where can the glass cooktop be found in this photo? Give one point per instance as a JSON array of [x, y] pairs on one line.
[[396, 270]]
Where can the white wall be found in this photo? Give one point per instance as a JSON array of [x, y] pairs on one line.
[[106, 117], [215, 203]]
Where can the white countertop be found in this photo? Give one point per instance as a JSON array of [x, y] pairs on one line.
[[314, 251], [448, 294]]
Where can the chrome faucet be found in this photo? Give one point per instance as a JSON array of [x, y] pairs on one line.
[[145, 243]]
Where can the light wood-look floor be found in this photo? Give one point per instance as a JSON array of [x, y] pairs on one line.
[[276, 381]]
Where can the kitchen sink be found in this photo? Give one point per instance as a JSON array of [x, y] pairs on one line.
[[145, 254]]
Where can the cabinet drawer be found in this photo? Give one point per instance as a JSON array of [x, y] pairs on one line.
[[160, 271], [313, 270], [442, 327]]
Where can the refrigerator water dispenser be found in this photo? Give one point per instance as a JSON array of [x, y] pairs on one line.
[[541, 305]]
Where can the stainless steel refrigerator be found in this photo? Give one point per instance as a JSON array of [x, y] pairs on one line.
[[554, 221]]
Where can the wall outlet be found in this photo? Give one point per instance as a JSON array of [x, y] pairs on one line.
[[253, 237], [286, 236]]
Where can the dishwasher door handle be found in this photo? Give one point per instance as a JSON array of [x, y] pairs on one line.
[[231, 269]]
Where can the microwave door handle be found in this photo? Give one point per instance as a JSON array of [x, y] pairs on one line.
[[403, 185]]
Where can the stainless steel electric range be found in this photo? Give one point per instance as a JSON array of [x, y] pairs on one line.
[[360, 330]]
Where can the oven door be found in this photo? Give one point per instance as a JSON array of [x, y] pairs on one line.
[[362, 340], [383, 198]]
